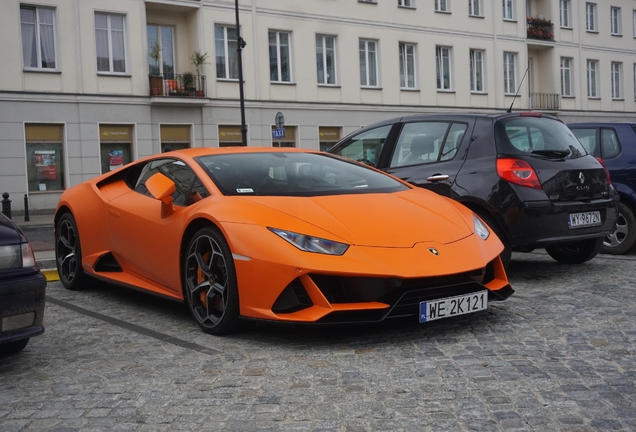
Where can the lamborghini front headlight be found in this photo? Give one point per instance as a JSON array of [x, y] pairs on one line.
[[311, 244]]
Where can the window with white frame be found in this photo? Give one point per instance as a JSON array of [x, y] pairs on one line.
[[475, 8], [508, 9], [368, 63], [617, 80], [161, 46], [225, 45], [407, 66], [592, 78], [566, 76], [615, 21], [477, 71], [110, 43], [406, 3], [510, 73], [635, 81], [38, 37], [442, 5], [634, 23], [590, 17], [565, 12], [443, 68], [326, 59], [279, 56]]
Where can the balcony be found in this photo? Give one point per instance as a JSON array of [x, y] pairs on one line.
[[545, 101], [540, 29], [184, 85]]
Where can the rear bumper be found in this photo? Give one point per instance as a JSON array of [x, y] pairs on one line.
[[22, 301], [541, 223]]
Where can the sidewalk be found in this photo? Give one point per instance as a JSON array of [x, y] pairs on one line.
[[39, 231]]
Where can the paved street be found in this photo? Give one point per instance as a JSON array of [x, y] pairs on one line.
[[559, 355]]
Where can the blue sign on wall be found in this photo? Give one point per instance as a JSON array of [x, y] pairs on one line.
[[278, 133]]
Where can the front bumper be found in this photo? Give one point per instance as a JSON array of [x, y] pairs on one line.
[[22, 301]]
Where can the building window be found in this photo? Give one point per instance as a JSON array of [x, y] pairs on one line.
[[368, 63], [279, 56], [443, 68], [406, 3], [328, 136], [110, 40], [115, 146], [566, 76], [476, 71], [289, 140], [326, 59], [634, 23], [442, 6], [174, 137], [475, 8], [510, 73], [615, 23], [225, 44], [407, 66], [617, 80], [508, 10], [592, 78], [45, 162], [161, 42], [38, 37], [230, 136], [590, 17], [565, 9], [635, 81]]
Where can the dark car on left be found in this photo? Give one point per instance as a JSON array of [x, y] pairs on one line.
[[22, 289]]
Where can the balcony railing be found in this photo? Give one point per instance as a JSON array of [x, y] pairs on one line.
[[540, 28], [545, 101], [172, 85]]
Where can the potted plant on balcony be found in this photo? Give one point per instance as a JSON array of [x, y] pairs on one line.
[[156, 80], [188, 83], [198, 59]]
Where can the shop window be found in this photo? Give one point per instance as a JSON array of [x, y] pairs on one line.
[[175, 137], [328, 136], [230, 135], [289, 140], [115, 144], [45, 162]]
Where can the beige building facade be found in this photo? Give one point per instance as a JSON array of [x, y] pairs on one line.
[[89, 85]]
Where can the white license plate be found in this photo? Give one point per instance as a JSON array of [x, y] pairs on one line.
[[453, 306], [585, 219]]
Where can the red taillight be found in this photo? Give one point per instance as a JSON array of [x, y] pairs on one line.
[[518, 172], [607, 173]]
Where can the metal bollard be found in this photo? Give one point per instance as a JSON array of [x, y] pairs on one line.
[[6, 205], [26, 208]]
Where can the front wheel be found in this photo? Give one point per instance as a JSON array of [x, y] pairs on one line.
[[624, 236], [13, 347], [68, 253], [575, 252], [210, 285]]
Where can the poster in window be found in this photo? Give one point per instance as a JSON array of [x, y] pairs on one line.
[[45, 165], [116, 159]]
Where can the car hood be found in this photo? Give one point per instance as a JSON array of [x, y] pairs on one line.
[[399, 219], [9, 232]]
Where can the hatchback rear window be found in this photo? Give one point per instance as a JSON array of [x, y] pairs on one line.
[[540, 136]]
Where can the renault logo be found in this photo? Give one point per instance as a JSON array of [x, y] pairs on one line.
[[433, 251], [581, 177]]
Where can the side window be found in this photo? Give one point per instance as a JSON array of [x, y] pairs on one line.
[[189, 188], [365, 147], [426, 142], [609, 144], [587, 138]]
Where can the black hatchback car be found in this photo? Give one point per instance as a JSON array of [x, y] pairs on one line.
[[22, 289], [525, 174]]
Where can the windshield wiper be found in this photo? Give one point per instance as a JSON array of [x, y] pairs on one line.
[[552, 153]]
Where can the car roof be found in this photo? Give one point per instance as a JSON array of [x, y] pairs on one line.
[[601, 124], [203, 151]]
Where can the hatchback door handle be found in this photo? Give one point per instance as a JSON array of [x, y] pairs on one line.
[[437, 177]]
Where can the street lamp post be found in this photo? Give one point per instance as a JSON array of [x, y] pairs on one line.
[[239, 48]]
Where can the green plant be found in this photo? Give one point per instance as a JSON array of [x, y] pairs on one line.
[[188, 81], [155, 54], [198, 59]]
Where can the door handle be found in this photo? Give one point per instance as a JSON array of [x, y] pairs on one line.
[[437, 177]]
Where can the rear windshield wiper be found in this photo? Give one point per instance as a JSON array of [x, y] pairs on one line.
[[552, 153]]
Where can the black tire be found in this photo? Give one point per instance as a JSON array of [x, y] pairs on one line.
[[623, 238], [13, 347], [575, 252], [68, 253], [506, 254], [209, 281]]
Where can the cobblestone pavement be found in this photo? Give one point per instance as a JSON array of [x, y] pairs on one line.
[[559, 355]]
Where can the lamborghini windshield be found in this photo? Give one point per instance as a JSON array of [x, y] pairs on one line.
[[293, 174]]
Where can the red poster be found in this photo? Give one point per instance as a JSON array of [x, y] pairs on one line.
[[45, 165]]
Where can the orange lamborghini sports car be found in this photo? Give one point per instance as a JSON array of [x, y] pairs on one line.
[[291, 235]]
